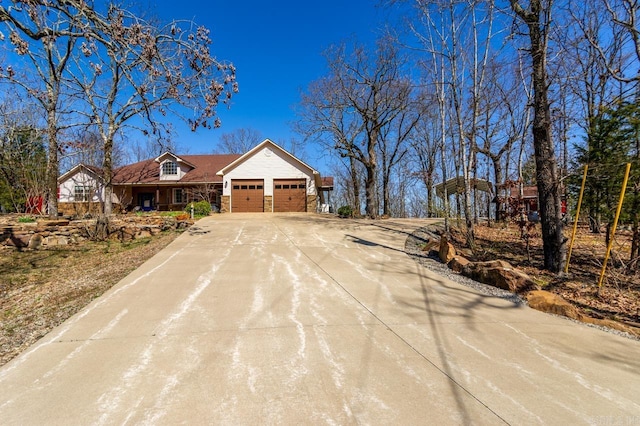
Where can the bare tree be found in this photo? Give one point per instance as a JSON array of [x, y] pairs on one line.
[[457, 42], [394, 139], [331, 123], [424, 145], [45, 35], [118, 65], [134, 69], [364, 93], [618, 37], [536, 16], [239, 141]]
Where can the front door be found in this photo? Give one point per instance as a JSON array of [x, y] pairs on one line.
[[146, 201]]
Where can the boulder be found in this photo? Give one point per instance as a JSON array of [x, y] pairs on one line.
[[19, 240], [55, 241], [552, 303], [457, 263], [501, 274], [35, 242], [429, 245], [447, 250], [555, 304], [143, 233]]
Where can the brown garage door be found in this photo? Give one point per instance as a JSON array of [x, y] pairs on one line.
[[289, 195], [247, 196]]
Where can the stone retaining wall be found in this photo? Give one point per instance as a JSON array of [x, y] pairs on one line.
[[46, 234]]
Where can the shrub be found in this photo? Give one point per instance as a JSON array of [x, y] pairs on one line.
[[26, 219], [201, 208], [345, 211]]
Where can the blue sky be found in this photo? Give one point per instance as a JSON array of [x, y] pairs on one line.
[[277, 49]]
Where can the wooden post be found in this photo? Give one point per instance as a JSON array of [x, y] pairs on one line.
[[615, 224], [575, 221]]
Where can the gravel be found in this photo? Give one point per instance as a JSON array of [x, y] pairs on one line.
[[413, 247]]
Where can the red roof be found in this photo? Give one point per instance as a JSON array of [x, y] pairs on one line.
[[148, 171], [327, 182]]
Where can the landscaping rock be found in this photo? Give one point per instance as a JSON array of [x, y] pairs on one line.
[[143, 234], [457, 263], [555, 304], [53, 222], [19, 240], [500, 274], [35, 242], [429, 245], [447, 250], [52, 233], [552, 303]]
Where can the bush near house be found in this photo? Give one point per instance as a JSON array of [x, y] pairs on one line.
[[345, 211], [201, 208]]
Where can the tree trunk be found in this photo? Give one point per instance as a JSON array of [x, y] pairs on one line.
[[386, 195], [52, 166], [430, 203], [355, 182], [497, 172], [371, 199], [635, 219], [107, 172], [635, 241], [549, 195], [370, 192]]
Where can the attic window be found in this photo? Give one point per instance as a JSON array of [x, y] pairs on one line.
[[169, 168]]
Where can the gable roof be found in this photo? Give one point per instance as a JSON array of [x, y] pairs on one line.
[[267, 142], [203, 170], [93, 170], [178, 159]]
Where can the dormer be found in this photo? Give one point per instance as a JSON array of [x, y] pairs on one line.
[[173, 167]]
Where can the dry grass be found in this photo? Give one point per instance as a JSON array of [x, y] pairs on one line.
[[41, 289]]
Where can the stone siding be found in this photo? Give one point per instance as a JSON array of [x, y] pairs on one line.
[[225, 204], [268, 203], [312, 203]]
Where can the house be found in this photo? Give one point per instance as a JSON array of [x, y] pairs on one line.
[[509, 199], [265, 179]]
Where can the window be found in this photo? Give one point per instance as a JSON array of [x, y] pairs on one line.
[[178, 196], [82, 193], [169, 168]]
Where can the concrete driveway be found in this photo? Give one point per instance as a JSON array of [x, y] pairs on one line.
[[305, 319]]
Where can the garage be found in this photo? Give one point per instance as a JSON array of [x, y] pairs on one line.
[[289, 195], [247, 196]]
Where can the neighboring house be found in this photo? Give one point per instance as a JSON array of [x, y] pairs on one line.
[[265, 179], [509, 197]]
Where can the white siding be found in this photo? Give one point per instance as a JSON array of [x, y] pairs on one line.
[[269, 164], [81, 178], [182, 170]]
